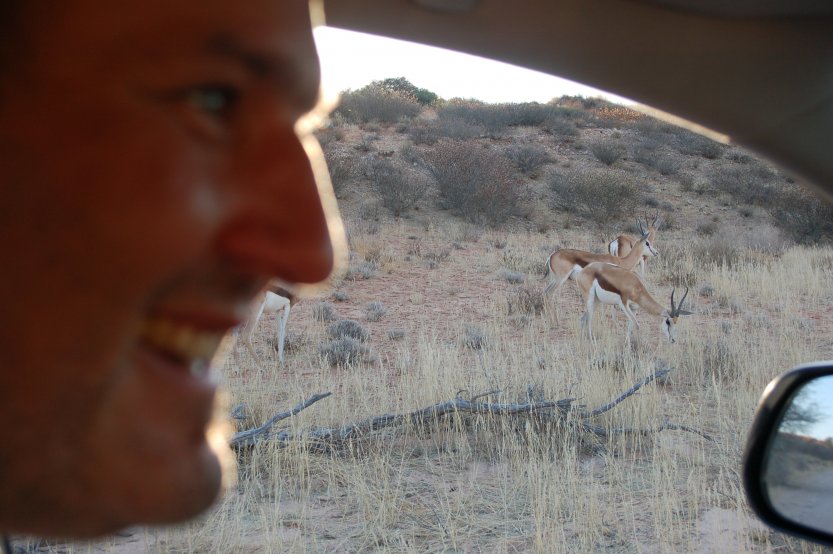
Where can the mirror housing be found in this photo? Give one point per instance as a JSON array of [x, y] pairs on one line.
[[786, 468]]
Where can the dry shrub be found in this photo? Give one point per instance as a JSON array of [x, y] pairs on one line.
[[456, 128], [343, 352], [375, 311], [347, 328], [652, 158], [804, 217], [399, 187], [698, 145], [373, 103], [410, 154], [424, 133], [717, 252], [341, 167], [601, 196], [477, 182], [474, 337], [720, 359], [327, 136], [527, 157], [707, 229], [561, 127], [323, 311], [747, 184], [525, 301], [510, 276], [606, 151], [495, 118]]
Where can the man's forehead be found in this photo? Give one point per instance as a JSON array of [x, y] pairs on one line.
[[161, 25], [271, 39]]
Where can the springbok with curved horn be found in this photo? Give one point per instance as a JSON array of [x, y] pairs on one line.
[[565, 263], [624, 243], [616, 286]]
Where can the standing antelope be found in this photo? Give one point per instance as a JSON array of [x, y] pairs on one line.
[[565, 263], [616, 286], [274, 300], [623, 244]]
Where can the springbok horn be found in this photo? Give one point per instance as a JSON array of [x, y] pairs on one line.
[[676, 309], [683, 299]]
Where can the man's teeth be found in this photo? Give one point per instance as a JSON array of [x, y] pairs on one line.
[[181, 341]]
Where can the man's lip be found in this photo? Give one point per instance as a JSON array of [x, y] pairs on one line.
[[188, 343], [209, 322]]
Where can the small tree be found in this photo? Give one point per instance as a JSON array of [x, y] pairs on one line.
[[401, 85]]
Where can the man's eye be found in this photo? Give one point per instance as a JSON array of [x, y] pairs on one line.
[[213, 99]]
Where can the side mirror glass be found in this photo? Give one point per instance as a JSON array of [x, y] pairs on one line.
[[798, 472], [788, 465]]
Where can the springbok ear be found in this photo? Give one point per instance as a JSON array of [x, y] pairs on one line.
[[685, 312]]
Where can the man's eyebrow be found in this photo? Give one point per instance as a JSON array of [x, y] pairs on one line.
[[260, 65], [281, 70]]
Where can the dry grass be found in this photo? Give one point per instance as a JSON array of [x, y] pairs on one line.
[[489, 485]]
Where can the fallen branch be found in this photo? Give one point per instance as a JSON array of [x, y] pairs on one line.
[[630, 392], [545, 411], [251, 436]]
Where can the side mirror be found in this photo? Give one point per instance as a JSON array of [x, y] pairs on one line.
[[788, 462]]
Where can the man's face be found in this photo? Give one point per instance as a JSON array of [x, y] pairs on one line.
[[151, 182]]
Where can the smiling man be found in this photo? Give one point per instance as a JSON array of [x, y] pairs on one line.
[[153, 178]]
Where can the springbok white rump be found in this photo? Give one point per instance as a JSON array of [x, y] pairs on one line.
[[616, 286], [624, 243], [565, 263], [274, 300]]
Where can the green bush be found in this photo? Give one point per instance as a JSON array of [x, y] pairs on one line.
[[401, 85], [477, 182]]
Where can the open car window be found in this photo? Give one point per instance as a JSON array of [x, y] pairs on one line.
[[467, 408]]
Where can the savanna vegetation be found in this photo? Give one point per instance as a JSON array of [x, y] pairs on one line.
[[451, 209]]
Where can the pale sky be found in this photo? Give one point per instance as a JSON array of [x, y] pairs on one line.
[[351, 60]]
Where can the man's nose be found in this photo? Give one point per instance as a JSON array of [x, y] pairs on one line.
[[286, 220]]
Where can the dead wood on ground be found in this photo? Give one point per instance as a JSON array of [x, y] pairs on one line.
[[557, 411]]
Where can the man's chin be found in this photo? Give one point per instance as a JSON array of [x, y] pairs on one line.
[[213, 471]]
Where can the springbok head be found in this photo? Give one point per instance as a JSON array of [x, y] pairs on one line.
[[669, 318], [648, 249], [655, 224]]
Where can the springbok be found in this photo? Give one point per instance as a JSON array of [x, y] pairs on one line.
[[623, 244], [274, 300], [565, 263], [616, 286]]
